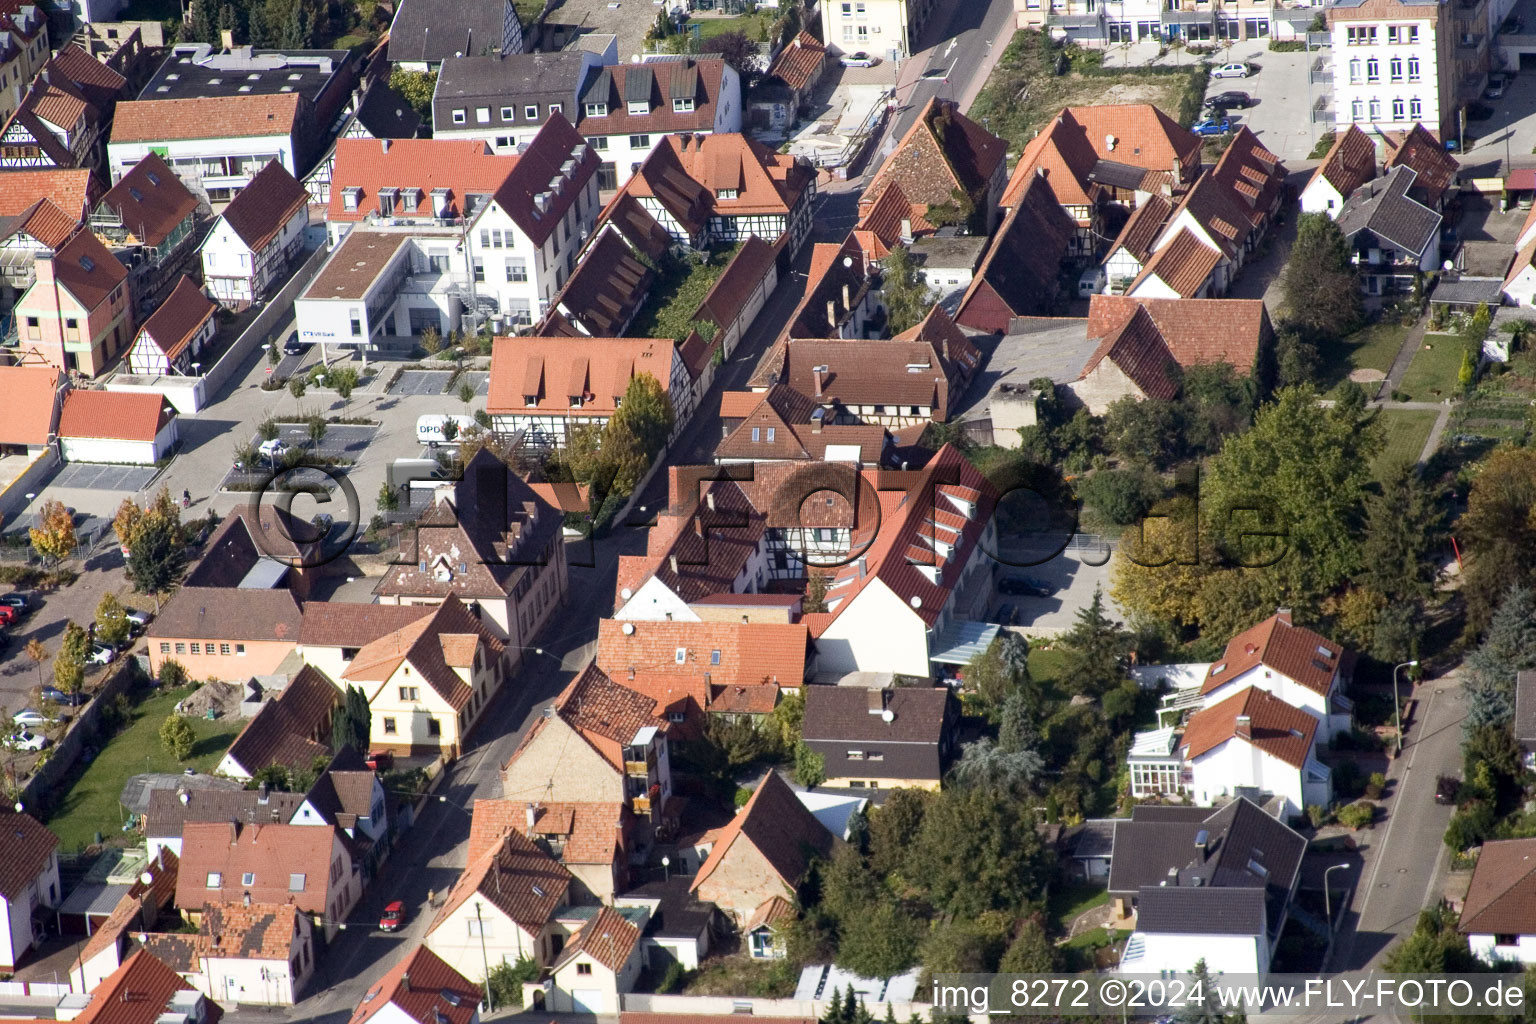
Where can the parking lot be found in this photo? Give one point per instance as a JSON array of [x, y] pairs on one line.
[[90, 477], [1281, 116], [422, 382]]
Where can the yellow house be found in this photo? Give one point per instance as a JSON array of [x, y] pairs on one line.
[[599, 964], [428, 682]]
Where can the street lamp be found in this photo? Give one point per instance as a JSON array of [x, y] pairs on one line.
[[666, 868], [1328, 896], [485, 960], [1397, 711]]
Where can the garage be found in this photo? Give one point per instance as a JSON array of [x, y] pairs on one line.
[[116, 427], [587, 1000]]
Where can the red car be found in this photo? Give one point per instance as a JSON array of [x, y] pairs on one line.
[[7, 615], [394, 917], [380, 760]]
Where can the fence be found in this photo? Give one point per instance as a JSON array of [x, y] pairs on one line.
[[43, 787]]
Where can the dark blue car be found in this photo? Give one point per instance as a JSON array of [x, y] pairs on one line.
[[1212, 126]]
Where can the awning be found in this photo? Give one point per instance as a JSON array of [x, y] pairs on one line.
[[1186, 17], [1295, 15], [1073, 21], [962, 641], [1084, 32]]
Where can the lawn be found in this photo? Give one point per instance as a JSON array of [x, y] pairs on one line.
[[1431, 377], [91, 805], [1373, 347], [1069, 899], [1407, 430], [1024, 91], [1047, 667], [681, 284], [755, 26]]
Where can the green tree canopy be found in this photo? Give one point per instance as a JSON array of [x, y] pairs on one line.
[[906, 295], [1321, 289]]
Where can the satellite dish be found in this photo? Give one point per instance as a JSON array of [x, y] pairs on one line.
[[847, 261], [1448, 265], [917, 602], [147, 878], [628, 628], [887, 716], [1109, 143], [626, 593]]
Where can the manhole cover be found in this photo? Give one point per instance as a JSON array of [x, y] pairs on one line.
[[1384, 885], [1402, 871]]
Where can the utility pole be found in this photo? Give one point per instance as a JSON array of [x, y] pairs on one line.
[[484, 959]]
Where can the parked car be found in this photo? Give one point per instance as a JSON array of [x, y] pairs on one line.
[[1236, 69], [1230, 100], [1447, 788], [1023, 586], [293, 346], [1005, 615], [101, 654], [16, 599], [137, 621], [859, 60], [8, 615], [394, 917], [58, 696], [1212, 126], [30, 741], [26, 716], [273, 449], [1495, 90], [380, 760]]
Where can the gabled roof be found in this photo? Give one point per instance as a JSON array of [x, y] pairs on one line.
[[234, 931], [799, 63], [1219, 210], [179, 318], [1184, 264], [795, 435], [1137, 348], [1062, 157], [659, 82], [1293, 651], [854, 714], [283, 730], [876, 372], [435, 646], [435, 30], [1179, 910], [779, 827], [33, 402], [348, 624], [1253, 175], [589, 832], [608, 938], [607, 714], [726, 298], [462, 167], [43, 221], [1384, 208], [138, 992], [1274, 727], [286, 864], [606, 289], [1073, 144], [1196, 332], [207, 117], [641, 230], [943, 151], [29, 849], [96, 83], [259, 211], [720, 653], [1142, 228], [421, 988], [686, 174], [1420, 150], [246, 538], [1501, 898], [171, 809], [1349, 163], [231, 613], [115, 415], [87, 269], [547, 178], [515, 876], [1018, 275], [150, 200], [73, 190], [886, 220], [553, 369]]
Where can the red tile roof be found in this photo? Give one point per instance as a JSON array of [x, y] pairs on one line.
[[45, 222], [422, 988], [1253, 176], [685, 170], [340, 624], [800, 63], [1196, 332], [1184, 264], [1069, 148], [1142, 228], [1501, 898], [1349, 163], [725, 300], [259, 211], [1136, 347], [605, 290], [217, 117], [151, 200], [33, 402], [1274, 726], [179, 318], [114, 415], [943, 151], [435, 646], [558, 155], [720, 653], [589, 832], [698, 79], [1420, 150], [72, 190], [287, 863], [283, 730], [1018, 275], [779, 826], [28, 848], [517, 877], [138, 992], [554, 369], [608, 938], [1275, 643], [462, 166], [88, 270]]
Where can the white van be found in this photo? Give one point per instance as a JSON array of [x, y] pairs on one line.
[[1091, 283], [429, 429]]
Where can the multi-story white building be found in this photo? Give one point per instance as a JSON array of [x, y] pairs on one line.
[[256, 238], [1101, 23], [1397, 63], [885, 28]]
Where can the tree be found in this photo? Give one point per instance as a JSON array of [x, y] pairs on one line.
[[810, 767], [126, 521], [389, 500], [647, 412], [1434, 947], [1508, 647], [985, 765], [878, 942], [111, 621], [343, 380], [1094, 646], [157, 547], [54, 536], [177, 737], [1147, 431], [431, 341], [353, 722], [1404, 530], [892, 826], [816, 584], [1032, 951], [1119, 495], [1322, 295], [788, 719], [466, 394], [317, 427], [977, 850], [38, 654], [740, 54], [417, 88], [906, 295], [966, 945], [296, 388], [69, 669], [506, 981], [1498, 531], [1000, 670]]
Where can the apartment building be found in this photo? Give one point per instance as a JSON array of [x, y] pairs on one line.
[[1396, 63], [1100, 23], [885, 28]]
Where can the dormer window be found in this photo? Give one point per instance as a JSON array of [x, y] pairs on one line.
[[680, 655], [727, 193], [351, 197], [387, 198], [530, 400], [682, 105], [639, 108], [575, 401], [597, 110]]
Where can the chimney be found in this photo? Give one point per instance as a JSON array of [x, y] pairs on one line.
[[533, 815], [819, 373], [227, 38], [698, 525], [405, 981], [906, 230], [832, 314], [1173, 879], [818, 417], [863, 566], [847, 298], [1244, 727], [261, 793], [1203, 844], [246, 899], [384, 145], [1178, 173], [673, 559]]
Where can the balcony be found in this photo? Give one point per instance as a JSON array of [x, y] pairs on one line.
[[641, 805], [1471, 41], [637, 769]]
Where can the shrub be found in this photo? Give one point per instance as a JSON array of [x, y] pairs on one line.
[[1317, 816], [674, 980], [1121, 496], [1375, 786], [1357, 815], [172, 674]]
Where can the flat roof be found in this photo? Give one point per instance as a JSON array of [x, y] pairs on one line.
[[355, 265], [197, 71]]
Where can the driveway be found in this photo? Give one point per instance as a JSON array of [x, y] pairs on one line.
[[92, 477]]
